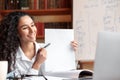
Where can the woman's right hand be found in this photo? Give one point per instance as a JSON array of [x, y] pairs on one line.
[[40, 58]]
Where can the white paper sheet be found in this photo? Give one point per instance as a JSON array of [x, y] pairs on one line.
[[55, 78], [60, 54]]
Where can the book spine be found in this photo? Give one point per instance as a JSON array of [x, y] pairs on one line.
[[51, 4], [35, 4], [42, 4], [62, 4], [31, 3], [57, 3], [46, 4], [59, 25], [17, 4], [9, 4], [2, 4], [40, 29], [6, 1], [24, 4]]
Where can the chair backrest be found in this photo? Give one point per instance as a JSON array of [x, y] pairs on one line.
[[107, 59]]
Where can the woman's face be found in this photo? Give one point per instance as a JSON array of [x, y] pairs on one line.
[[27, 29]]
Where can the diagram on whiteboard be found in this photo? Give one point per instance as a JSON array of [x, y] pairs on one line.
[[91, 17]]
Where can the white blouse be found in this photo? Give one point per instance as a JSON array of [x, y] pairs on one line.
[[24, 65]]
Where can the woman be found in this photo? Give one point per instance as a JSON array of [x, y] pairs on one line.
[[18, 38], [18, 44]]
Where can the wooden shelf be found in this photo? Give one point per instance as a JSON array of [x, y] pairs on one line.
[[50, 8], [64, 11]]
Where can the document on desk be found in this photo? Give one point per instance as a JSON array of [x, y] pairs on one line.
[[41, 78], [55, 78], [65, 74], [60, 54]]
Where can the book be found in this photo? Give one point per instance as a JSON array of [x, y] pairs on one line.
[[42, 4], [24, 4], [2, 4], [17, 4], [58, 25], [40, 29], [9, 4]]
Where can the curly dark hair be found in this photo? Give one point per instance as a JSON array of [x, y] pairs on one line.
[[9, 40]]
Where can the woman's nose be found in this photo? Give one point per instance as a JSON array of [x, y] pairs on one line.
[[31, 29]]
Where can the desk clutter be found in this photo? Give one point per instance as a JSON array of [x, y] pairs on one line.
[[70, 75]]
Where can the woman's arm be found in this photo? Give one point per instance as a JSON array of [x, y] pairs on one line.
[[40, 58]]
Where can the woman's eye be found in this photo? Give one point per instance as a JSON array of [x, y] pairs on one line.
[[33, 25], [24, 28]]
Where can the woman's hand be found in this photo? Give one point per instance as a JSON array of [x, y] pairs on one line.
[[40, 58], [74, 44]]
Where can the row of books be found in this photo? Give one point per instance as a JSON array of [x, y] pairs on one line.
[[59, 25], [34, 4], [56, 25]]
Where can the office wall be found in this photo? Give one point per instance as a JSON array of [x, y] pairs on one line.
[[91, 17]]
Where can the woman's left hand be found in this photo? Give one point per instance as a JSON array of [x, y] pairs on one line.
[[74, 44]]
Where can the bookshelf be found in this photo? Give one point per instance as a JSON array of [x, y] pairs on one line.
[[43, 8], [63, 11]]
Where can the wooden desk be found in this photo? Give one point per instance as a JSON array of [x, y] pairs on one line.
[[85, 65]]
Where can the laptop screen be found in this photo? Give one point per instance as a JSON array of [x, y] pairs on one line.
[[107, 59]]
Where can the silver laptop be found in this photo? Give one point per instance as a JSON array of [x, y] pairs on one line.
[[107, 59]]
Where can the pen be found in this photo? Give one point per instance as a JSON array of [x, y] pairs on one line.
[[27, 75], [46, 45]]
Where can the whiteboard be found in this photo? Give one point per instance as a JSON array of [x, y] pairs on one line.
[[91, 17], [60, 54]]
